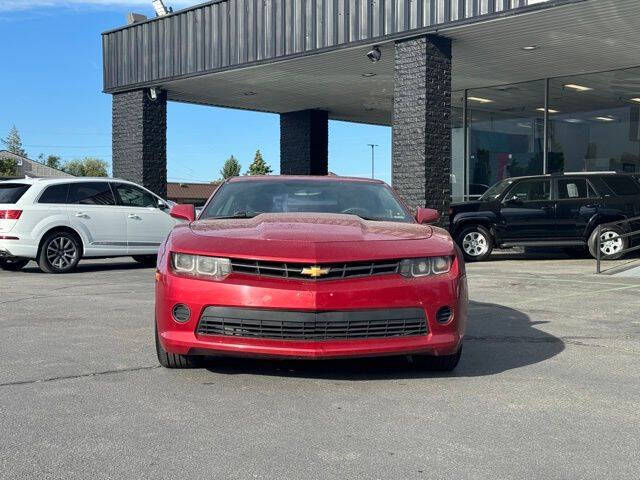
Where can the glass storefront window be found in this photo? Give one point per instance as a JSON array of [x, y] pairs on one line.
[[505, 133], [594, 122], [593, 125]]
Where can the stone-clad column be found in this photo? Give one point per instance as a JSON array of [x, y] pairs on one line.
[[140, 139], [304, 143], [421, 158]]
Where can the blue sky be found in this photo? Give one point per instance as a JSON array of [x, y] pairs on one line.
[[51, 89]]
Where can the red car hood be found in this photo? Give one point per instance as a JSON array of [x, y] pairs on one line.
[[310, 228], [310, 238]]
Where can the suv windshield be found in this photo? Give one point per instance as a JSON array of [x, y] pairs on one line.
[[11, 192], [371, 201], [496, 190]]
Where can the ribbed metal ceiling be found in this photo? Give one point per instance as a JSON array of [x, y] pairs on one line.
[[594, 36]]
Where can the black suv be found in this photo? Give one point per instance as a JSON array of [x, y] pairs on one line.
[[560, 210]]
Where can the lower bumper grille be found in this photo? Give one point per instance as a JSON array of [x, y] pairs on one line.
[[304, 325]]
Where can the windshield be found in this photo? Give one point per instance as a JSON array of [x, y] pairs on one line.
[[496, 190], [371, 201], [11, 192]]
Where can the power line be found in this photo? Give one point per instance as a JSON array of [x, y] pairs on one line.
[[68, 146], [49, 132]]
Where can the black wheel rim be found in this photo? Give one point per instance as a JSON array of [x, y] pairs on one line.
[[61, 252]]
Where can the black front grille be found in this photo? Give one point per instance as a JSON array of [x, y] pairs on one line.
[[303, 325], [330, 271]]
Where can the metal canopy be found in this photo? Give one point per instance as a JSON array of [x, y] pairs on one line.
[[598, 35], [225, 34]]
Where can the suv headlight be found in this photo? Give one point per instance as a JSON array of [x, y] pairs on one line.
[[422, 267], [211, 268]]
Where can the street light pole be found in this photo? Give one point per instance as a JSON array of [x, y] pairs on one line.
[[373, 146]]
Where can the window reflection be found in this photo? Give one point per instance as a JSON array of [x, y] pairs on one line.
[[595, 125], [506, 133]]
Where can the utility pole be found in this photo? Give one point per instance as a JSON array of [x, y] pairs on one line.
[[373, 146]]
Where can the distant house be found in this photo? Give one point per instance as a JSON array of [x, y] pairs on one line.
[[29, 168], [194, 193]]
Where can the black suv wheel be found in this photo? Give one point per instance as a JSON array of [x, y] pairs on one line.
[[60, 252], [612, 245], [476, 243], [13, 264]]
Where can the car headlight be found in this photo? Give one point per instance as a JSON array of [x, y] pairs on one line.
[[422, 267], [211, 268]]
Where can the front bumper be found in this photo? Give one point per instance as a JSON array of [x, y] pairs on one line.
[[391, 292]]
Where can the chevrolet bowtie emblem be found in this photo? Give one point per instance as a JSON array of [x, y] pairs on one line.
[[315, 271]]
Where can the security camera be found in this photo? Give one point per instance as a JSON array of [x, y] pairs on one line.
[[153, 93], [375, 54], [159, 7]]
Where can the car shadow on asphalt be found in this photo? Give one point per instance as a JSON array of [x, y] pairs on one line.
[[90, 266], [498, 339]]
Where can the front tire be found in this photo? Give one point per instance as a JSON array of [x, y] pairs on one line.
[[60, 252], [174, 360], [612, 245], [475, 242], [146, 260], [13, 264], [442, 363]]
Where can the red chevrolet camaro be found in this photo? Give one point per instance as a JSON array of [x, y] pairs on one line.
[[309, 267]]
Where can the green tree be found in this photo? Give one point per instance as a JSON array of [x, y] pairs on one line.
[[94, 167], [231, 168], [74, 167], [13, 142], [86, 167], [259, 166], [8, 167], [52, 161]]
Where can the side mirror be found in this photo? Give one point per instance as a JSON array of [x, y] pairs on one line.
[[162, 205], [427, 215], [183, 212]]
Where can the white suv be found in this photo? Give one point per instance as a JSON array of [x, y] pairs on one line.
[[58, 221]]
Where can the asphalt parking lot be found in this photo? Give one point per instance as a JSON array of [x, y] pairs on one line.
[[548, 387]]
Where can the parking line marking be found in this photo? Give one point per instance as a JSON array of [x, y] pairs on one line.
[[546, 279]]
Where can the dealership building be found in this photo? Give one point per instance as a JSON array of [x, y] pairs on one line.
[[474, 90]]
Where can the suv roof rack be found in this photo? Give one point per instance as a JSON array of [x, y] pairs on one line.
[[608, 172]]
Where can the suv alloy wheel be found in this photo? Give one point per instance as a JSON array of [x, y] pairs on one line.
[[60, 253], [612, 246], [475, 242]]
